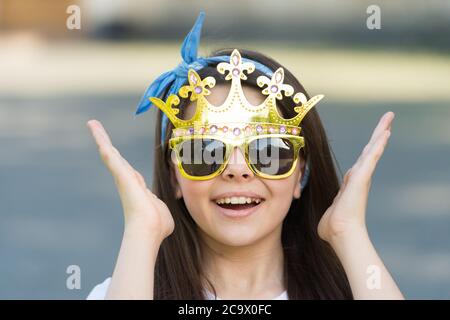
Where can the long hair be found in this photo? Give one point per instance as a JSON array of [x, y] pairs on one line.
[[311, 268]]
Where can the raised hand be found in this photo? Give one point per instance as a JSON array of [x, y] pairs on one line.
[[140, 205], [348, 210]]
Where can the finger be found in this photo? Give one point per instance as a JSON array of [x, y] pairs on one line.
[[344, 183], [140, 179], [367, 167], [378, 148], [151, 194], [346, 177], [384, 124], [120, 169], [103, 140], [117, 166], [98, 137], [390, 125], [100, 130]]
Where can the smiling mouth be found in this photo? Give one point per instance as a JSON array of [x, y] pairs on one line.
[[238, 203]]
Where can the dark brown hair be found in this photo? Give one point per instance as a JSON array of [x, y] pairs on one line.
[[311, 268]]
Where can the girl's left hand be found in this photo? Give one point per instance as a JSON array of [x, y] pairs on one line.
[[346, 214]]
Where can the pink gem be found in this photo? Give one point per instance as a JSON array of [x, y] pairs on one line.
[[193, 78], [213, 129], [248, 129], [198, 90], [274, 88], [201, 130], [278, 76], [282, 129], [225, 129], [294, 130], [236, 131], [236, 72], [235, 59], [271, 129], [259, 128]]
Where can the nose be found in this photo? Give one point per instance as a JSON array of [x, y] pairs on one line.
[[237, 169]]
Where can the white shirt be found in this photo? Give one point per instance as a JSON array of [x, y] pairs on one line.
[[99, 292]]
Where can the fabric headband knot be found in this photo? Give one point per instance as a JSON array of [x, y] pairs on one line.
[[182, 69]]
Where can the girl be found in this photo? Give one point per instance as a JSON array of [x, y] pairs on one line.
[[234, 230]]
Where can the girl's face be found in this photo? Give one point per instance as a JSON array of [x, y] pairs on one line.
[[243, 224]]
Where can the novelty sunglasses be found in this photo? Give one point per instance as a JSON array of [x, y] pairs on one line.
[[203, 157]]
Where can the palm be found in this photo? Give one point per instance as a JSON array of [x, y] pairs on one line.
[[139, 204], [347, 212]]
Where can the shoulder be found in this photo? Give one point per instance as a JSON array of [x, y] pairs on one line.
[[283, 296], [99, 291]]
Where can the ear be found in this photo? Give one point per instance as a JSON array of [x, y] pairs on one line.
[[178, 193], [297, 188]]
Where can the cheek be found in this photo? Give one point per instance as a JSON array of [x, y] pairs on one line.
[[281, 195], [196, 195]]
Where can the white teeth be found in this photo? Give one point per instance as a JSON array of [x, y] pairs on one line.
[[238, 200], [234, 200]]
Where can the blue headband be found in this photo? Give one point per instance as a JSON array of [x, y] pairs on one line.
[[177, 77]]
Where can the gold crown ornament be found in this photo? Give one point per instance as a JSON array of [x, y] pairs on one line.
[[236, 117]]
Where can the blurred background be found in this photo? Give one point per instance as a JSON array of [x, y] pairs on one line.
[[58, 204]]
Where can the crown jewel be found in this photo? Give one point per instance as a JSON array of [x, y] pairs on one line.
[[236, 116]]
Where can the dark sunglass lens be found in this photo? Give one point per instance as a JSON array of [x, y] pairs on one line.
[[202, 157], [272, 155]]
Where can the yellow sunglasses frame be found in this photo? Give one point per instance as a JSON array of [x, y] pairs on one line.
[[231, 143]]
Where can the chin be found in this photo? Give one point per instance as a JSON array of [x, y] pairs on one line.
[[236, 236]]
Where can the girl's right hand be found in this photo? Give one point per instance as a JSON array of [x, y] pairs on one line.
[[140, 206]]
